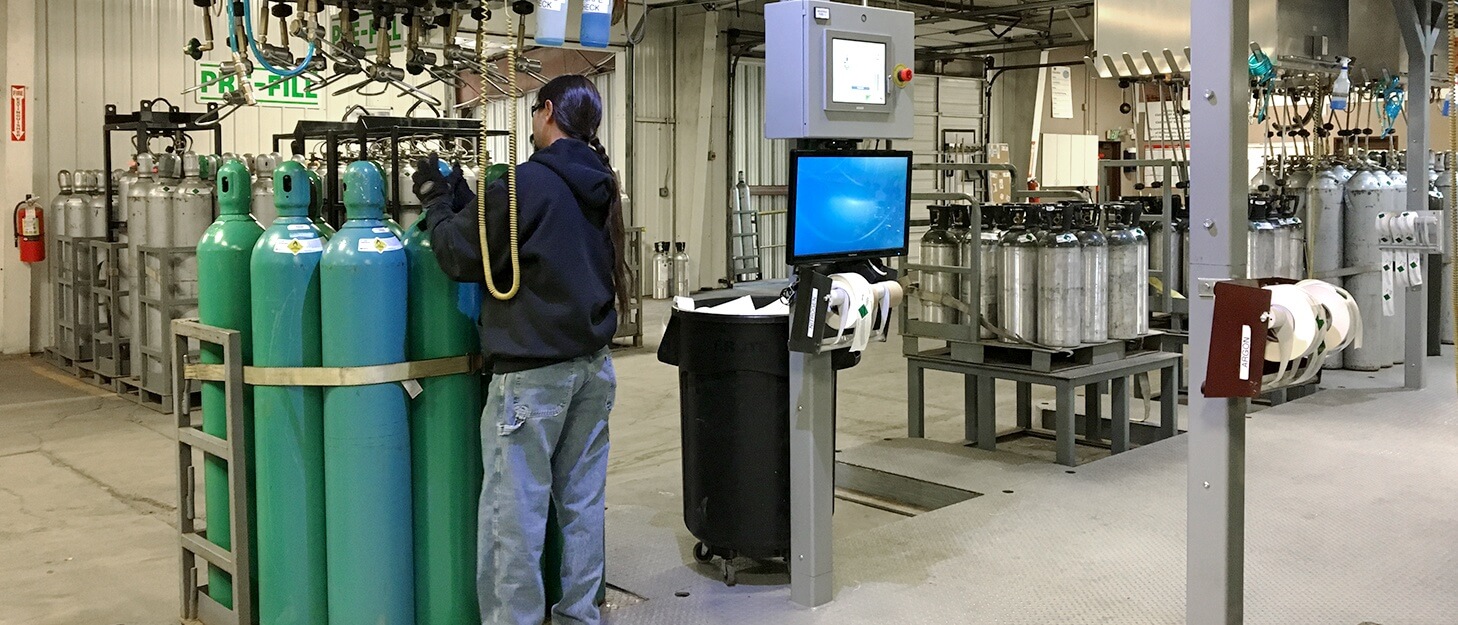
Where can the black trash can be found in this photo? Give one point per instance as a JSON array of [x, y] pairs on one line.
[[734, 402]]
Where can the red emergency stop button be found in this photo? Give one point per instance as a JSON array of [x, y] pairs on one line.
[[903, 75]]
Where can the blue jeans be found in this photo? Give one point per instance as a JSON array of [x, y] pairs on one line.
[[544, 441]]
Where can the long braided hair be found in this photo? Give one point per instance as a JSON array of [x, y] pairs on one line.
[[577, 109]]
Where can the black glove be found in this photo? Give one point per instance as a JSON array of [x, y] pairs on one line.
[[434, 189]]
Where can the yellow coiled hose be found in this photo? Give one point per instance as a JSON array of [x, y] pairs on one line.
[[483, 161]]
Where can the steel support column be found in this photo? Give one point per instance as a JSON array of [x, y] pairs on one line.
[[1215, 573], [1419, 26], [812, 478]]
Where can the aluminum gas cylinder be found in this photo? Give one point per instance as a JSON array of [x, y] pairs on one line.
[[1095, 275], [960, 230], [1261, 248], [994, 225], [263, 169], [1017, 265], [154, 283], [192, 202], [939, 248], [1060, 282], [1128, 274], [1365, 199]]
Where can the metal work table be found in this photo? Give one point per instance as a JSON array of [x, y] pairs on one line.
[[981, 398]]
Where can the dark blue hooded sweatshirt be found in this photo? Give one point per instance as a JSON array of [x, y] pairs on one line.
[[565, 308]]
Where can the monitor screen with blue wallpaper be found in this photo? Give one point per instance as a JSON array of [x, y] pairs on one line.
[[848, 204]]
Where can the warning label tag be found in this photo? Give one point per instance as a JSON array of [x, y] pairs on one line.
[[299, 246], [380, 230], [379, 245]]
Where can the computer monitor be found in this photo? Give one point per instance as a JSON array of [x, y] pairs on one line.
[[848, 204]]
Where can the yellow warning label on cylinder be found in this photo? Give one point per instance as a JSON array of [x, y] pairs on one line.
[[379, 245]]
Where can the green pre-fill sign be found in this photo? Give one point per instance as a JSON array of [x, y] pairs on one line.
[[290, 93]]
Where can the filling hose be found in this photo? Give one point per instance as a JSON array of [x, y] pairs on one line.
[[482, 162], [1452, 169], [253, 44]]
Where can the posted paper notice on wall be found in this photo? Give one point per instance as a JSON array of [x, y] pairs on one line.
[[1062, 92]]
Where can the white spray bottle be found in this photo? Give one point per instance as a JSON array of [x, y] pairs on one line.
[[1342, 87]]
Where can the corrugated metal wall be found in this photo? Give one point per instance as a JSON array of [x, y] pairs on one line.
[[123, 51], [91, 53], [942, 104]]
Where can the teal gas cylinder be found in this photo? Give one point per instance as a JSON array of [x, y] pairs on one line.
[[366, 430], [289, 427]]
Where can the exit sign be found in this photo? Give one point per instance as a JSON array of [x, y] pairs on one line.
[[290, 93]]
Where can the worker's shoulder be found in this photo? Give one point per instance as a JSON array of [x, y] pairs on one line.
[[534, 173]]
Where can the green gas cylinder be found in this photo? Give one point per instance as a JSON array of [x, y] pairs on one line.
[[223, 302], [445, 441], [316, 204], [289, 427]]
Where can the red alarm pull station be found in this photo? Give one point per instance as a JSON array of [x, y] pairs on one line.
[[903, 75]]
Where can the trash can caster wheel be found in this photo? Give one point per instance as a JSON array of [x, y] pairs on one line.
[[730, 577], [702, 554]]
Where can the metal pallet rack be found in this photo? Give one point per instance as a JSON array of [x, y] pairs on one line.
[[73, 343], [364, 132], [631, 326], [158, 293], [1095, 367], [197, 605], [109, 354], [369, 130], [153, 119]]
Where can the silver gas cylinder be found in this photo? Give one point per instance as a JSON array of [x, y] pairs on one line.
[[662, 270], [1261, 248], [1095, 276], [1365, 199], [1397, 323], [1017, 268], [961, 230], [263, 209], [193, 204], [993, 227], [1128, 274], [1324, 217], [939, 248], [1443, 186], [1060, 283], [137, 193], [160, 220], [410, 208]]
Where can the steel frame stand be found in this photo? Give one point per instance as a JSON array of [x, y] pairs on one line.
[[197, 605], [1215, 573], [1421, 23], [812, 477]]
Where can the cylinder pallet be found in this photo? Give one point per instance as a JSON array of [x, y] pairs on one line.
[[108, 348], [197, 605]]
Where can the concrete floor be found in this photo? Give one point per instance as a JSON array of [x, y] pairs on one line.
[[88, 494]]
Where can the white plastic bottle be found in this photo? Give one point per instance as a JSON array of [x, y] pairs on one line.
[[551, 18], [1342, 87]]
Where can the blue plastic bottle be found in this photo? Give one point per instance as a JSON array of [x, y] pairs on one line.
[[551, 22], [597, 19]]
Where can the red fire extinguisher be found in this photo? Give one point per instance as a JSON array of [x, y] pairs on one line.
[[30, 231]]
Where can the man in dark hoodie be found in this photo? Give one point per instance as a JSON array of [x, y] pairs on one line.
[[544, 431]]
